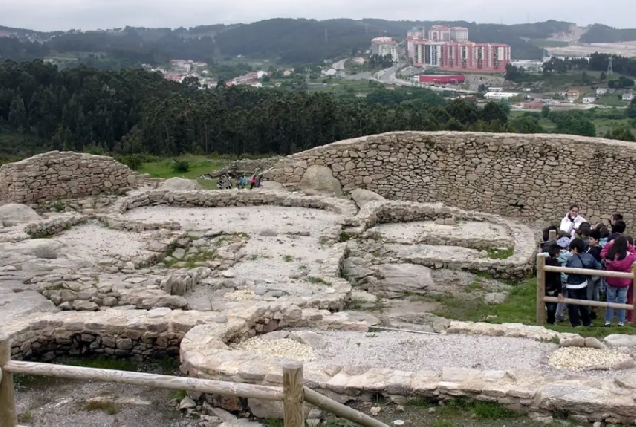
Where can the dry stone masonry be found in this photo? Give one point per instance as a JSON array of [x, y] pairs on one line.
[[63, 175], [522, 176], [168, 270]]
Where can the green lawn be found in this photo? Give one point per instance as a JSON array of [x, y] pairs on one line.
[[199, 165], [519, 307]]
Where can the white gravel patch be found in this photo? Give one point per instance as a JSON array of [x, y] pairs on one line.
[[414, 352], [283, 347], [95, 241], [579, 358]]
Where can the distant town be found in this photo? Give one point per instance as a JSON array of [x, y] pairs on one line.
[[441, 58]]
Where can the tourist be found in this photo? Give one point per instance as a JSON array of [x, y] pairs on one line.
[[595, 283], [253, 182], [576, 284], [617, 230], [630, 290], [564, 244], [602, 228], [259, 180], [553, 285], [571, 221], [546, 243], [618, 258], [614, 218], [583, 233]]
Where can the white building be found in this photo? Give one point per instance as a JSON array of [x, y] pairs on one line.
[[459, 34], [500, 95], [383, 46], [440, 33]]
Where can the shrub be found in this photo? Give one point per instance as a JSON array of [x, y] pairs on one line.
[[180, 166], [133, 161]]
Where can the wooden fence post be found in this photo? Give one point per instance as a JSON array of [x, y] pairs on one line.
[[552, 234], [8, 416], [293, 395], [632, 285], [541, 314]]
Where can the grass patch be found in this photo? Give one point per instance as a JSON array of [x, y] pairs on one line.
[[519, 307], [25, 417], [179, 395], [317, 281], [103, 363], [288, 258], [197, 166], [108, 407], [500, 253], [480, 410], [344, 237], [274, 422]]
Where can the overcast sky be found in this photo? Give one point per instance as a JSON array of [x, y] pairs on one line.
[[91, 14]]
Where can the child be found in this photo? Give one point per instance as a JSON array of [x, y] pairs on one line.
[[553, 285], [630, 290], [576, 284], [602, 228], [563, 258], [583, 233], [618, 258]]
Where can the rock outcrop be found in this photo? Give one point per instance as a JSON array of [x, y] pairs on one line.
[[180, 184], [362, 197], [320, 179], [14, 214]]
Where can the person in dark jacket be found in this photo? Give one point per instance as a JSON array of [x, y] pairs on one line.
[[553, 285], [595, 283], [576, 284], [617, 230]]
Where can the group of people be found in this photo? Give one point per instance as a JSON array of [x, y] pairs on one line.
[[242, 182], [578, 244]]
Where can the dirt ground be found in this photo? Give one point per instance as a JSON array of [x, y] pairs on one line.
[[454, 414]]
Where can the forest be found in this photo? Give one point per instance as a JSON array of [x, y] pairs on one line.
[[288, 41], [598, 33], [137, 112]]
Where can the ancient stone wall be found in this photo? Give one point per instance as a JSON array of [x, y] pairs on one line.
[[528, 176], [63, 175]]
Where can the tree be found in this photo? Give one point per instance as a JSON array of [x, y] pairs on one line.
[[17, 114], [545, 111], [631, 109]]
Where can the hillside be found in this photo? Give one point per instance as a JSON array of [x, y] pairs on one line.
[[603, 34], [289, 41]]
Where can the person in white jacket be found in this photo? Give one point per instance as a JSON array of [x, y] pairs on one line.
[[571, 221]]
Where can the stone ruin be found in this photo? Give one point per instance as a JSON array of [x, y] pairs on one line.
[[236, 283]]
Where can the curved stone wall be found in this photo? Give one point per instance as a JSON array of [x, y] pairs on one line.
[[63, 175], [530, 176], [518, 266]]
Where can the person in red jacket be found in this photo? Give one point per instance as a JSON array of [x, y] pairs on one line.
[[618, 257]]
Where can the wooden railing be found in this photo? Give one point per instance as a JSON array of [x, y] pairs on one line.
[[542, 299], [293, 393]]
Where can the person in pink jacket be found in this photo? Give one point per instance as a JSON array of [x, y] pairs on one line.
[[619, 256]]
